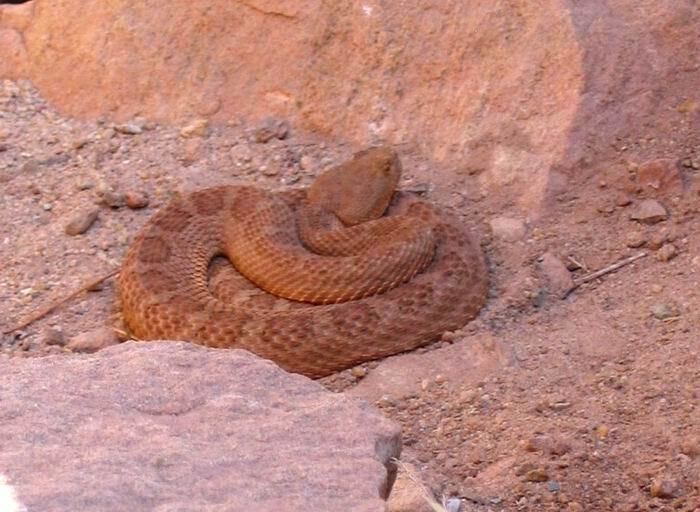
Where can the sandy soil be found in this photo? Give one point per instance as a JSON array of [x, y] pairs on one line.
[[598, 408]]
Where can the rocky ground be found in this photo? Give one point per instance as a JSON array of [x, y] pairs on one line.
[[594, 402]]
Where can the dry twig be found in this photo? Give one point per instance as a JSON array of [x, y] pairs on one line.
[[603, 271], [42, 313]]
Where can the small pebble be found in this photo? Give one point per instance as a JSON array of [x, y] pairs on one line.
[[111, 198], [649, 211], [450, 336], [130, 128], [667, 252], [290, 180], [196, 128], [537, 475], [553, 486], [659, 238], [687, 106], [662, 311], [623, 199], [84, 184], [108, 133], [53, 337], [81, 222], [521, 470], [80, 143], [358, 372], [546, 444], [136, 200], [635, 239], [386, 400], [605, 208], [664, 489], [271, 128], [269, 170], [241, 154], [94, 340], [560, 405], [602, 432], [306, 162], [532, 445]]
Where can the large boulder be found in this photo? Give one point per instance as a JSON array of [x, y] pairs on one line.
[[519, 92], [169, 426]]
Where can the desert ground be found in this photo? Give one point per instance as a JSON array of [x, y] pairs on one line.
[[579, 399]]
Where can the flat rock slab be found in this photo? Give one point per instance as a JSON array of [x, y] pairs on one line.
[[169, 426]]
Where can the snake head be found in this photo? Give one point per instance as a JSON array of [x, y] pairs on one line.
[[361, 188]]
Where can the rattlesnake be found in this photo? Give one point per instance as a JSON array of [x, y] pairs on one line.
[[353, 290]]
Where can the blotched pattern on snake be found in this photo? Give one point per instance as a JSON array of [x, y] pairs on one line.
[[325, 278]]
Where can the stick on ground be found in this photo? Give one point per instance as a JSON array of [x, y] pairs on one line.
[[603, 271], [42, 313]]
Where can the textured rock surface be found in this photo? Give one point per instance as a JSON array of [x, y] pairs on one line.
[[172, 426], [510, 90]]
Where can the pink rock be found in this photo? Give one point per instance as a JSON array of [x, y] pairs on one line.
[[174, 426], [94, 340], [649, 211], [558, 277]]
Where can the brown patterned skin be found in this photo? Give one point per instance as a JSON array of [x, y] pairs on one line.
[[374, 287]]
